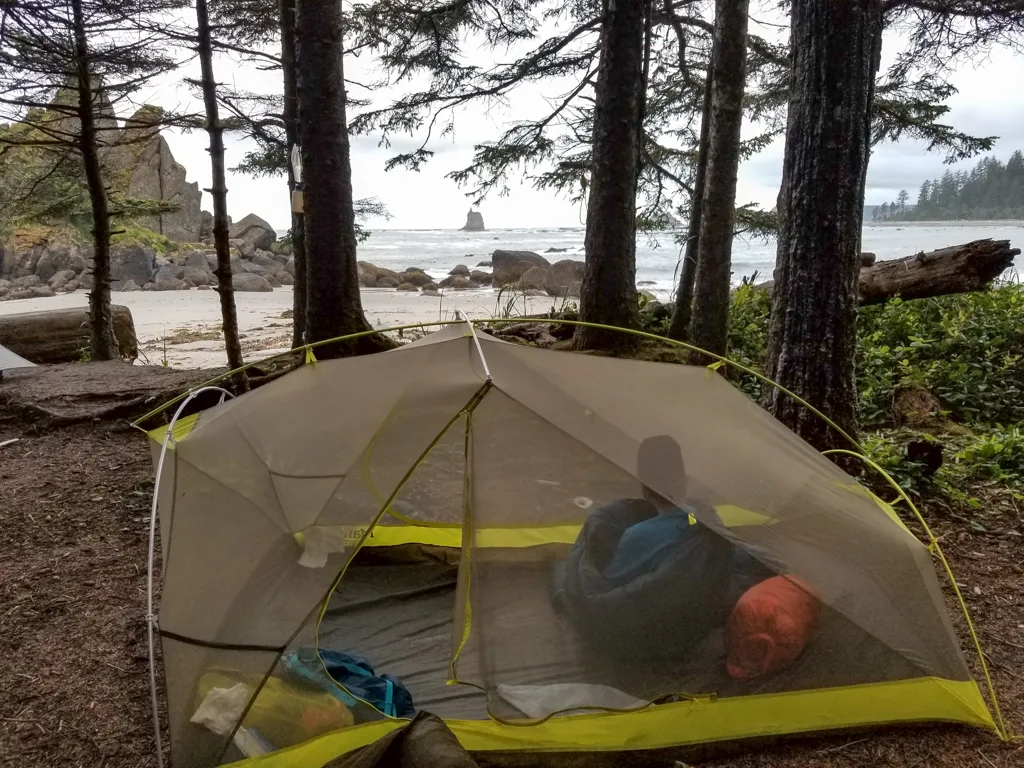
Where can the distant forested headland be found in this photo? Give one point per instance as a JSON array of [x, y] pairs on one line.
[[991, 190]]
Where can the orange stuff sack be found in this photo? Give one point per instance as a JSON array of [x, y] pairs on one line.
[[770, 627]]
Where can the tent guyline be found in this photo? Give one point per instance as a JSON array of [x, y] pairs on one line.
[[524, 497]]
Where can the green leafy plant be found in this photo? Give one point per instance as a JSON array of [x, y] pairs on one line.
[[998, 455]]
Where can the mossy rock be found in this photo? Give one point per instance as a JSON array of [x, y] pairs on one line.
[[135, 235]]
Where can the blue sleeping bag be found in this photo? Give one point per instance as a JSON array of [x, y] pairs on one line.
[[640, 586]]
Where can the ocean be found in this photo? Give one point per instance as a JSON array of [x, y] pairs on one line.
[[657, 256]]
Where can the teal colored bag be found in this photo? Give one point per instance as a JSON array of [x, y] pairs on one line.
[[356, 678]]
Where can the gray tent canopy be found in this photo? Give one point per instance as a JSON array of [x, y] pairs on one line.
[[428, 508], [9, 360]]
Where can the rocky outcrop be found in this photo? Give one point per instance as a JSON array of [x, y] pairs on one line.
[[474, 222], [142, 166], [254, 230], [510, 266]]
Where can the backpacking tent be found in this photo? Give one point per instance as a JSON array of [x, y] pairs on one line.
[[443, 511]]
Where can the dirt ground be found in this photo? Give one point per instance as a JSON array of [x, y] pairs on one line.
[[74, 506]]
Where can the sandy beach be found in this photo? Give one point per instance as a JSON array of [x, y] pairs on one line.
[[183, 327]]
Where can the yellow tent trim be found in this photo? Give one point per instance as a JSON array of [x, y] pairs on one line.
[[683, 723], [182, 427], [450, 534]]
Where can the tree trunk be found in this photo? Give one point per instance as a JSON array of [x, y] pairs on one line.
[[608, 294], [679, 328], [291, 131], [102, 344], [61, 335], [812, 332], [709, 327], [333, 304], [219, 192]]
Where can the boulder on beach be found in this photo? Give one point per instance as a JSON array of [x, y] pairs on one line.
[[484, 264], [556, 250], [388, 281], [250, 283], [62, 278], [533, 279], [244, 248], [432, 293], [461, 269], [417, 278], [481, 278], [85, 280], [370, 275], [250, 266], [285, 278], [128, 286], [132, 262], [28, 281], [254, 230], [509, 266], [166, 281], [407, 287], [564, 278], [457, 283], [431, 288], [197, 276], [197, 260]]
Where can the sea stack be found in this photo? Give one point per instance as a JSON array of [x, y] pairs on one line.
[[474, 222]]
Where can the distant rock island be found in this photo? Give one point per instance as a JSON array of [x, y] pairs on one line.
[[474, 222]]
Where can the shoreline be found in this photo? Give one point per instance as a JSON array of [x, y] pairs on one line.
[[183, 327]]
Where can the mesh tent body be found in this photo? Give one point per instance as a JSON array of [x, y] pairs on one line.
[[414, 507]]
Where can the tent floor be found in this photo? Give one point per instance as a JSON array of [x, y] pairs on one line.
[[400, 618]]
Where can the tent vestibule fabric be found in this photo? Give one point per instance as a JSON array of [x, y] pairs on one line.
[[551, 552], [9, 360]]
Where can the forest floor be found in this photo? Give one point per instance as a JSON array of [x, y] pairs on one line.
[[74, 689]]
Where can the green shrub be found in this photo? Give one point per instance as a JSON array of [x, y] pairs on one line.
[[135, 235], [748, 334], [998, 455], [967, 349]]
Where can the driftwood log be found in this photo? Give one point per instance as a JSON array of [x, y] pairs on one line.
[[956, 269], [61, 335]]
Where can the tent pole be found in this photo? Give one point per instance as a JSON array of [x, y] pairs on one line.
[[472, 332], [150, 616]]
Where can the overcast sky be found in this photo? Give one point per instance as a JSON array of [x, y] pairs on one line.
[[990, 102]]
